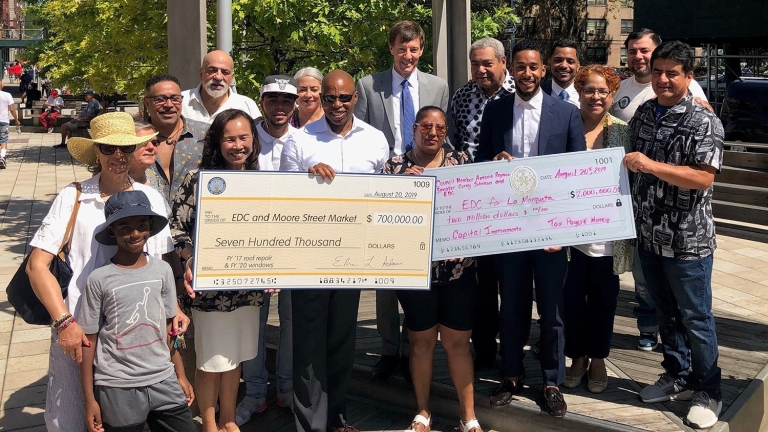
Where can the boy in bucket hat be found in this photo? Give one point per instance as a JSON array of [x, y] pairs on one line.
[[127, 373]]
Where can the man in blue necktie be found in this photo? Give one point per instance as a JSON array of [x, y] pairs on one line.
[[563, 65], [388, 101]]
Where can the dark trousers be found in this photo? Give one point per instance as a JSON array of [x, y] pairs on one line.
[[517, 273], [591, 293], [682, 291], [486, 314], [177, 419], [324, 325]]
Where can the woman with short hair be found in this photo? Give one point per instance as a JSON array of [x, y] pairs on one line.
[[308, 81]]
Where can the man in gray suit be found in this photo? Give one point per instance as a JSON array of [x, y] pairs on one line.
[[389, 101]]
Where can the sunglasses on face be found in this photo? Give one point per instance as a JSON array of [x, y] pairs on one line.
[[160, 99], [108, 149], [154, 142], [426, 128], [343, 98]]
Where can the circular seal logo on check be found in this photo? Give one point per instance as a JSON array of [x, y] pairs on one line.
[[216, 185], [523, 180]]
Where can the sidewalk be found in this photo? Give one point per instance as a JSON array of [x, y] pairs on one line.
[[36, 172]]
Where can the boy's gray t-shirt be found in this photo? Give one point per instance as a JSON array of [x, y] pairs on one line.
[[128, 308]]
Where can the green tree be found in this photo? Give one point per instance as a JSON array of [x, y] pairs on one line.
[[107, 45]]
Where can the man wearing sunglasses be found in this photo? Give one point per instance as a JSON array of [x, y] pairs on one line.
[[180, 145], [389, 101], [91, 110], [214, 94], [324, 354]]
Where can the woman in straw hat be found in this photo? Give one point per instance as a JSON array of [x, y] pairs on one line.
[[106, 154], [226, 322]]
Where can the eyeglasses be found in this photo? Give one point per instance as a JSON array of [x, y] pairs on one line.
[[211, 70], [343, 98], [590, 92], [426, 128], [160, 99], [154, 142], [108, 149]]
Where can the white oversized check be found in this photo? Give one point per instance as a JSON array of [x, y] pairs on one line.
[[531, 203], [257, 230]]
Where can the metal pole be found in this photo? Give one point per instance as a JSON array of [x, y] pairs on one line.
[[224, 26]]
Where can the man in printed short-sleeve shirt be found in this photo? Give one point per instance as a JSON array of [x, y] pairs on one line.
[[678, 147]]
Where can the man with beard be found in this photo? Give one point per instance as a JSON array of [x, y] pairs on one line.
[[180, 140], [278, 99], [389, 101], [563, 65], [213, 95], [540, 125], [327, 319], [633, 93]]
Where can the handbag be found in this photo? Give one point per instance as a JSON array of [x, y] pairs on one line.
[[19, 290]]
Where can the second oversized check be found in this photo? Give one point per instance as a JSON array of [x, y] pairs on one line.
[[260, 230], [532, 203]]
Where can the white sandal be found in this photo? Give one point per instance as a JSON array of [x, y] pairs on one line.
[[424, 421], [469, 425]]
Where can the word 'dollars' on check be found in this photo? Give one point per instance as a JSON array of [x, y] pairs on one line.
[[259, 230], [532, 203]]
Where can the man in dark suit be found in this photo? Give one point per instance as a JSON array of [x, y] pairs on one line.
[[389, 101], [525, 124]]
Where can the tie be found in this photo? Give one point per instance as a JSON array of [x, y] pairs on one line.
[[564, 95], [408, 117]]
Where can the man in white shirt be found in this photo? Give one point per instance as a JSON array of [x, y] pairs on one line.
[[563, 65], [389, 101], [540, 125], [277, 99], [324, 355], [6, 106], [632, 93], [213, 95]]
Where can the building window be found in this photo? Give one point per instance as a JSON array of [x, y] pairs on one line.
[[529, 25], [595, 27], [623, 56], [597, 55], [627, 25], [556, 24], [595, 2]]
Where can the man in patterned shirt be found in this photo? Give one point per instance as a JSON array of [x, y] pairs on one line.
[[490, 81], [679, 149]]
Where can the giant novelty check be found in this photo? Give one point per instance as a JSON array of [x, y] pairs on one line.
[[259, 230], [532, 203]]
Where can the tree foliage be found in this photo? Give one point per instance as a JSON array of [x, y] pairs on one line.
[[115, 45], [107, 45]]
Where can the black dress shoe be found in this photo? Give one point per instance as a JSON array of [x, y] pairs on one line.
[[384, 368], [405, 369], [554, 403], [502, 396]]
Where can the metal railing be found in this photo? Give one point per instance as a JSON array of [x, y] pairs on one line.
[[22, 34]]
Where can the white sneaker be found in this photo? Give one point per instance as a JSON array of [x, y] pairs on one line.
[[50, 130], [704, 411], [2, 163]]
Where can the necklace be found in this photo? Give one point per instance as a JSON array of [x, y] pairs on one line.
[[127, 185], [174, 136], [418, 161]]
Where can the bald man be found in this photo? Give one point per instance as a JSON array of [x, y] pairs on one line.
[[326, 319], [214, 94]]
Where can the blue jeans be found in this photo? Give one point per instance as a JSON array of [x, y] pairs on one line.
[[682, 290], [645, 311], [255, 372]]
